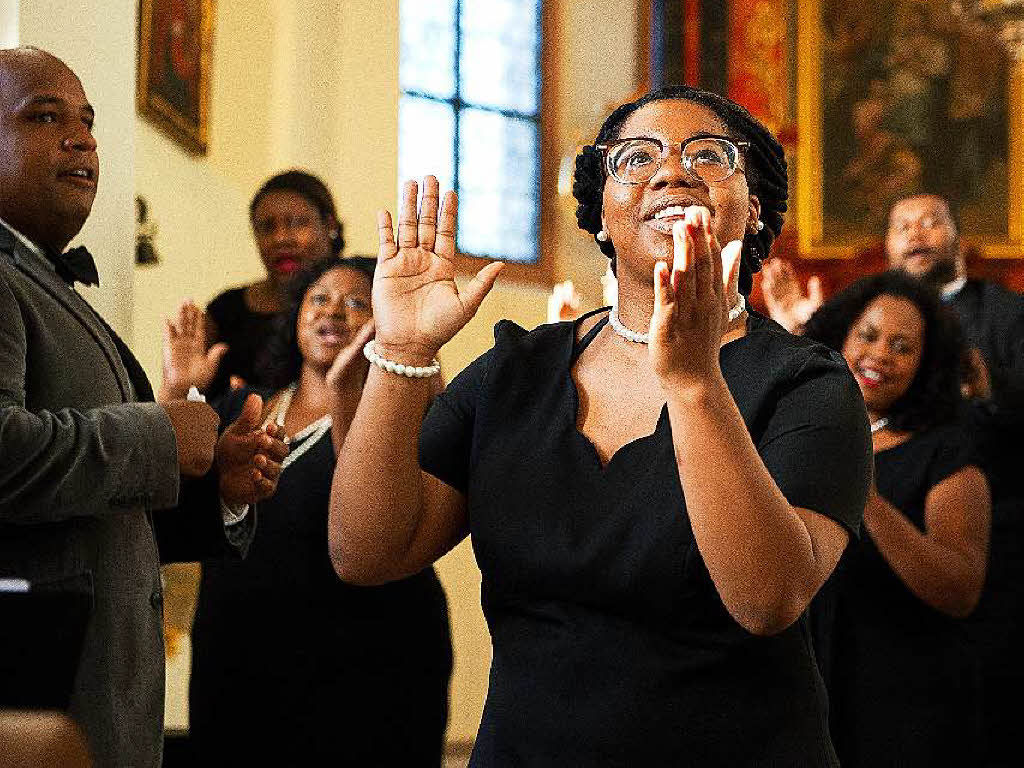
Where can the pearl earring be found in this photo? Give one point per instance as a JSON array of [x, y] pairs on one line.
[[602, 236], [760, 225]]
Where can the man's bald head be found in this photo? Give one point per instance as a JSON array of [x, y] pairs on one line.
[[25, 55], [24, 61], [48, 162]]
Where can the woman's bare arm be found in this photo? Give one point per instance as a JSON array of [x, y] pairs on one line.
[[387, 518], [944, 565], [766, 557]]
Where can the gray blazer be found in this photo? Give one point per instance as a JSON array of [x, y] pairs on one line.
[[82, 464]]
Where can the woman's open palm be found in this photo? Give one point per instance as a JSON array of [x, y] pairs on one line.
[[417, 305]]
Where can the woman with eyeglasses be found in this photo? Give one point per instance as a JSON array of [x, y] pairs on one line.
[[654, 493], [903, 681], [290, 665], [294, 222]]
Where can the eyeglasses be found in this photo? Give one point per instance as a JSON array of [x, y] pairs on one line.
[[710, 159], [926, 223], [357, 303]]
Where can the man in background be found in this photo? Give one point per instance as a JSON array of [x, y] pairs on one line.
[[922, 240]]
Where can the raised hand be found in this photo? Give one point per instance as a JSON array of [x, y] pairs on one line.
[[248, 457], [187, 362], [787, 303], [416, 304], [691, 302], [564, 302]]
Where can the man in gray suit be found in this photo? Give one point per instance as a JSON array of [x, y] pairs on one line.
[[83, 459]]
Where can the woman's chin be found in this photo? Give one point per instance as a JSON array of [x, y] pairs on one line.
[[320, 362]]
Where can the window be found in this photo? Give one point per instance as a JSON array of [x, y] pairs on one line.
[[470, 114]]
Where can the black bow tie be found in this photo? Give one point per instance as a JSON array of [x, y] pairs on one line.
[[76, 265]]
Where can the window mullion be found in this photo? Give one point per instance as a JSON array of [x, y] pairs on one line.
[[457, 108]]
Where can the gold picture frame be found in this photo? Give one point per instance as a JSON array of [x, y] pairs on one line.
[[924, 48], [175, 54]]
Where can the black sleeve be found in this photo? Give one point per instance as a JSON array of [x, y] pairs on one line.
[[817, 445], [956, 448], [446, 436], [194, 530], [221, 310]]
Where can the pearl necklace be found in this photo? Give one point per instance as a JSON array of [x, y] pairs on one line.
[[644, 338], [879, 425], [308, 436]]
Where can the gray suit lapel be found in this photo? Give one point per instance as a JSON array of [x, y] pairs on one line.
[[46, 277]]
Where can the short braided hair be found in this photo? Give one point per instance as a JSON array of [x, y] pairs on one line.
[[766, 172]]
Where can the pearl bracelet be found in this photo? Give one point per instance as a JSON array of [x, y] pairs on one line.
[[412, 371]]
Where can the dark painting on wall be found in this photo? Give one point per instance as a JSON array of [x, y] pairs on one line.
[[911, 98], [173, 87]]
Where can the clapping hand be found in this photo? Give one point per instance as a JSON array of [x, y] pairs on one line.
[[187, 362], [416, 304], [977, 381], [787, 302], [691, 302], [564, 302], [249, 457]]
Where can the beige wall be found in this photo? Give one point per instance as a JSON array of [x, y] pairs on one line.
[[200, 203], [9, 32], [311, 83]]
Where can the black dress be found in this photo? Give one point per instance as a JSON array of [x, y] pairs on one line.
[[293, 667], [246, 333], [902, 680], [611, 644]]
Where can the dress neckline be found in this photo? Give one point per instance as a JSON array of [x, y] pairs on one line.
[[575, 350]]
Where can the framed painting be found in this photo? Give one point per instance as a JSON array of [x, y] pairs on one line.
[[902, 97], [173, 83]]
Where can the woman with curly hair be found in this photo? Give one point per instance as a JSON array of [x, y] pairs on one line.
[[654, 493], [290, 666], [902, 681]]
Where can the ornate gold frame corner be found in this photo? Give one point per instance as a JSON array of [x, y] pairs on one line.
[[809, 182]]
